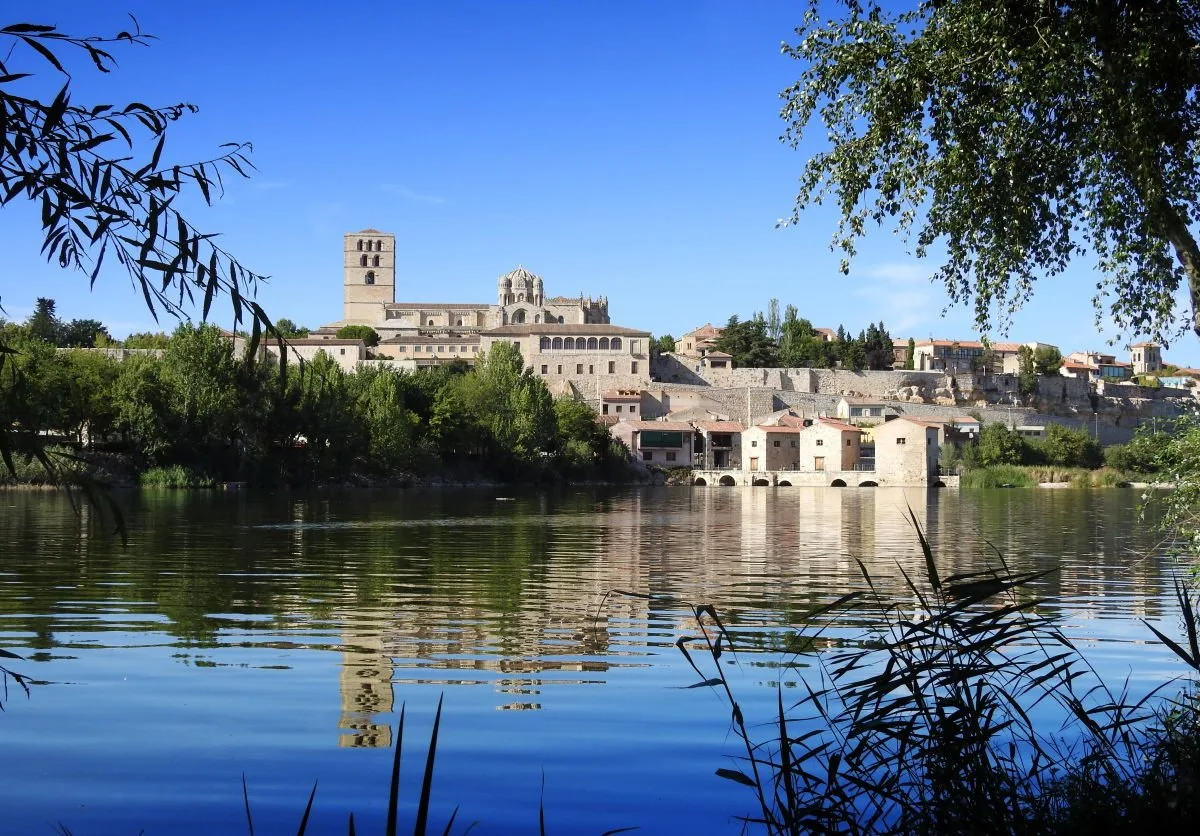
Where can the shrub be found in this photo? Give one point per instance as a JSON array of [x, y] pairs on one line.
[[175, 476]]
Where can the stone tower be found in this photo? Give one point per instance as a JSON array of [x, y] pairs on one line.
[[369, 273]]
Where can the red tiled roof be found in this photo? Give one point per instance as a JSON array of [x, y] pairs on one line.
[[790, 421], [778, 429], [838, 425], [720, 354], [1144, 345], [621, 395], [719, 426]]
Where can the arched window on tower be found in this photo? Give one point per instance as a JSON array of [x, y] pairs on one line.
[[560, 320], [458, 321], [520, 297], [378, 246], [375, 261], [537, 317], [518, 318], [362, 261], [591, 344], [616, 343], [545, 344], [360, 245], [370, 277]]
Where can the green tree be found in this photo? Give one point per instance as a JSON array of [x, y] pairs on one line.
[[1013, 137], [748, 343], [1047, 359], [1071, 448], [146, 339], [84, 333], [44, 324], [287, 329], [910, 355], [88, 410], [359, 332], [390, 427], [1000, 445], [662, 345], [774, 323], [1027, 380], [200, 377]]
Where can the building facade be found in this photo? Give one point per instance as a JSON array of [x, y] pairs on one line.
[[567, 340]]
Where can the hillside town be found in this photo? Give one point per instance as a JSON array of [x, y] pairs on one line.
[[696, 407]]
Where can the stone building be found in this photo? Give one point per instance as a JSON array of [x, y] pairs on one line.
[[568, 340], [1145, 357], [830, 446], [771, 448], [906, 452]]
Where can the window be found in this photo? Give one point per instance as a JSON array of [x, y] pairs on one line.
[[360, 245], [633, 407], [753, 443], [633, 367], [616, 343], [537, 317], [793, 442], [474, 349], [604, 409], [442, 348], [416, 349], [774, 443], [557, 344], [362, 262], [900, 440], [429, 349], [453, 348], [378, 246], [612, 367], [592, 344], [647, 456], [429, 323], [618, 407], [458, 321], [560, 320], [375, 261], [848, 442], [559, 369], [604, 343], [342, 351], [670, 457], [579, 368], [544, 345], [569, 343], [591, 369], [633, 346], [546, 370], [369, 278], [401, 348], [820, 442]]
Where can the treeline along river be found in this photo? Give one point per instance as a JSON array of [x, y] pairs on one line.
[[277, 636]]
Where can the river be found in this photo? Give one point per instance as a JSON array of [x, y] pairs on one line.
[[276, 637]]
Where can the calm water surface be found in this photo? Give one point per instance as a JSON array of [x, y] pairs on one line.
[[277, 637]]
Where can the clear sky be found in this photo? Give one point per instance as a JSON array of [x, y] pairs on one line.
[[628, 149]]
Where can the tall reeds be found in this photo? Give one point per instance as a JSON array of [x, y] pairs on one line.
[[926, 723]]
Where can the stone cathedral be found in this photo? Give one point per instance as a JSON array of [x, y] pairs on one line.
[[369, 298]]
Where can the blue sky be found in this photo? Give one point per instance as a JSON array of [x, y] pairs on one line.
[[624, 148]]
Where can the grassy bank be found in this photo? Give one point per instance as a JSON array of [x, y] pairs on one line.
[[1029, 476]]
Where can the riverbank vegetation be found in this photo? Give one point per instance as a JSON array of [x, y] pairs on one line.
[[1002, 457], [976, 714], [197, 414]]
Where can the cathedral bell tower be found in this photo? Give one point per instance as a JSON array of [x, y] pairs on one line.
[[369, 276]]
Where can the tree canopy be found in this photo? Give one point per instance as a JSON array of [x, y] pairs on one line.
[[1018, 137]]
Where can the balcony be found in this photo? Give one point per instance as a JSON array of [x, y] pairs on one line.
[[864, 466]]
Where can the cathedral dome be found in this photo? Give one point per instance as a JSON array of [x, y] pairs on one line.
[[520, 278]]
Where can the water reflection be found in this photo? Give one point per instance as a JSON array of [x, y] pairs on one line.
[[543, 595]]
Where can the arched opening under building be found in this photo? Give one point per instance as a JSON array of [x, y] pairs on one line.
[[837, 483], [784, 484], [761, 483], [939, 484], [700, 481], [727, 482], [868, 484]]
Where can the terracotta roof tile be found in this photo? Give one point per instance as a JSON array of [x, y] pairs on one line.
[[838, 425]]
